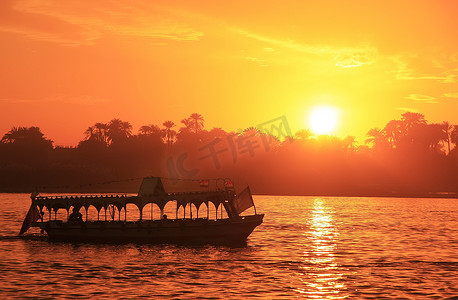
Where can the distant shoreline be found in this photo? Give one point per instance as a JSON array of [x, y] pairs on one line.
[[432, 195], [426, 196]]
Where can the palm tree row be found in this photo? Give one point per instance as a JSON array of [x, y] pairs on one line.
[[117, 131], [413, 130], [19, 134]]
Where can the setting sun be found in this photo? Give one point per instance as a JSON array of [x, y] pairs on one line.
[[323, 119]]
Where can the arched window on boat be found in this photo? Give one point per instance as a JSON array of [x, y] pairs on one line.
[[92, 214], [170, 209], [133, 212], [110, 212], [221, 212], [59, 213], [190, 211], [147, 211], [211, 211], [202, 211], [119, 213], [180, 213], [156, 211]]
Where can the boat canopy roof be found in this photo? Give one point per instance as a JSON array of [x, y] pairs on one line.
[[151, 191]]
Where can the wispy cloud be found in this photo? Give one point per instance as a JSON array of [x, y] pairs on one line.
[[343, 57], [59, 98], [403, 71], [78, 22], [259, 61], [421, 98], [451, 95]]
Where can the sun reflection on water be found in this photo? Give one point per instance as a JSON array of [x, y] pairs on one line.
[[320, 273]]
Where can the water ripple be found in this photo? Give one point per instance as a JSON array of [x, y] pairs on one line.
[[314, 248]]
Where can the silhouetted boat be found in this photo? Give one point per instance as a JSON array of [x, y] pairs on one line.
[[231, 229]]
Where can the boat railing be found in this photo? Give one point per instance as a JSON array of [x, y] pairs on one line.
[[69, 197], [98, 196]]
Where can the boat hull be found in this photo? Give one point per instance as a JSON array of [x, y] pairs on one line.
[[196, 231]]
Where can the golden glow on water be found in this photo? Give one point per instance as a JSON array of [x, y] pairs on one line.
[[312, 248], [321, 273]]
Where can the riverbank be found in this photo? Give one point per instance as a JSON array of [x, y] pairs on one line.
[[133, 189]]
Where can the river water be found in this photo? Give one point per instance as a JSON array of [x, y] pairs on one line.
[[307, 247]]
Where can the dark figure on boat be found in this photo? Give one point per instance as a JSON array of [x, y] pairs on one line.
[[75, 216]]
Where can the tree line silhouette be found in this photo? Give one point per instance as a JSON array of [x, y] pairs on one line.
[[407, 157]]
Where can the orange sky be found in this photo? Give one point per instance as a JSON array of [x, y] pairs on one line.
[[68, 64]]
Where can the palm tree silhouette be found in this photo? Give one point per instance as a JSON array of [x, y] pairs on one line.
[[303, 134], [251, 131], [393, 132], [187, 124], [454, 136], [149, 130], [29, 137], [197, 122], [448, 130], [376, 137], [350, 142], [118, 131], [434, 135], [17, 134], [168, 133], [101, 132], [216, 133], [97, 133], [410, 119], [89, 133]]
